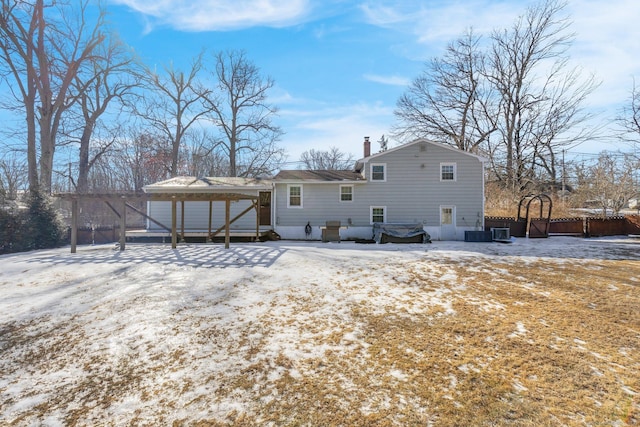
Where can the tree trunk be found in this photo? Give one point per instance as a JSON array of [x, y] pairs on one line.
[[83, 166]]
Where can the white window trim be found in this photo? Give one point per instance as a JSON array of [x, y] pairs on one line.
[[289, 196], [455, 171], [384, 165], [340, 194], [384, 213]]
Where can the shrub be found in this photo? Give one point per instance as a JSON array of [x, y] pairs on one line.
[[35, 227], [42, 227]]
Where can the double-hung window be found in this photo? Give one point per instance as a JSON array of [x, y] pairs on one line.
[[378, 172], [294, 196], [447, 171], [378, 214], [346, 193]]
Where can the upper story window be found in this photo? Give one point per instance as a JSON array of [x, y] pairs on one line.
[[378, 172], [346, 193], [294, 196], [447, 171]]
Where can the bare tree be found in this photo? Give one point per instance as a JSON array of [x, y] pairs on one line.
[[629, 119], [610, 182], [538, 115], [180, 101], [13, 176], [450, 101], [108, 79], [384, 143], [241, 111], [42, 47], [204, 156], [332, 159]]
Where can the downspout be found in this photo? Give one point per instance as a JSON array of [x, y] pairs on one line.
[[484, 201], [274, 207]]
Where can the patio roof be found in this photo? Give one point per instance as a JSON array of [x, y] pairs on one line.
[[190, 184]]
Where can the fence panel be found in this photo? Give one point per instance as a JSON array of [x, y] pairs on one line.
[[516, 228], [612, 226], [633, 224], [567, 226], [99, 235]]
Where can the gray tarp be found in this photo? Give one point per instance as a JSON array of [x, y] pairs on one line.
[[383, 233]]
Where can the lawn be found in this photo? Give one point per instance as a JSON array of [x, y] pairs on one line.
[[534, 333]]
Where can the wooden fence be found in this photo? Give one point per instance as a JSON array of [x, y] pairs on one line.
[[585, 227], [97, 235]]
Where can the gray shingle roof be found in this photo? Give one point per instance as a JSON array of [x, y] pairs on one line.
[[319, 175]]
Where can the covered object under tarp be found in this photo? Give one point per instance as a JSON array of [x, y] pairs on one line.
[[400, 233]]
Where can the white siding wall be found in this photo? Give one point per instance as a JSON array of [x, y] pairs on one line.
[[411, 193], [197, 215]]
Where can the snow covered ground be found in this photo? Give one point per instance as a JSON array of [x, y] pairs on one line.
[[155, 335]]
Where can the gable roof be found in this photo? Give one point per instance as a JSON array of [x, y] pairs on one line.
[[419, 141], [318, 175]]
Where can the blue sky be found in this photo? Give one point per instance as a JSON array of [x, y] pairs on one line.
[[340, 66]]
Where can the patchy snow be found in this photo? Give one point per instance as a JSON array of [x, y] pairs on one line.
[[173, 320]]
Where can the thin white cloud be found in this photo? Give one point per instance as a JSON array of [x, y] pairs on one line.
[[207, 15], [344, 126], [607, 34], [388, 80], [440, 22]]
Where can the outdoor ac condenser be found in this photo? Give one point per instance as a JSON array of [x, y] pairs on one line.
[[500, 234]]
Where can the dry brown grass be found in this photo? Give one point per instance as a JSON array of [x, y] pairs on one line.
[[521, 341], [557, 345]]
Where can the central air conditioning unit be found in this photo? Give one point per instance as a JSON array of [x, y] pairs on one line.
[[500, 234]]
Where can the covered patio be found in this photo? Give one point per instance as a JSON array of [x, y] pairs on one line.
[[181, 190]]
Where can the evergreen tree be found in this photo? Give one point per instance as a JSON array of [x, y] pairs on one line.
[[42, 228]]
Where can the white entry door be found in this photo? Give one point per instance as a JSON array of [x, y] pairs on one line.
[[447, 222]]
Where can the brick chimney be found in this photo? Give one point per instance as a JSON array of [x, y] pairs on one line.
[[367, 146]]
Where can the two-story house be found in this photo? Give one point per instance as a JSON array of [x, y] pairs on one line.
[[421, 182]]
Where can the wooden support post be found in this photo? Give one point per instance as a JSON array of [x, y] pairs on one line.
[[123, 224], [227, 215], [257, 205], [74, 225], [209, 239], [182, 221], [174, 232]]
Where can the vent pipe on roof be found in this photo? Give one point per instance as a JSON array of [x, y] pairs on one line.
[[367, 147]]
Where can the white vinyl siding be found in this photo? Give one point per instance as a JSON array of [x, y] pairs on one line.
[[378, 172], [346, 193], [412, 192], [294, 196], [196, 215]]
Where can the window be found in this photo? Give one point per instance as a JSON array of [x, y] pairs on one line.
[[378, 214], [447, 171], [446, 216], [294, 199], [378, 172], [346, 193]]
